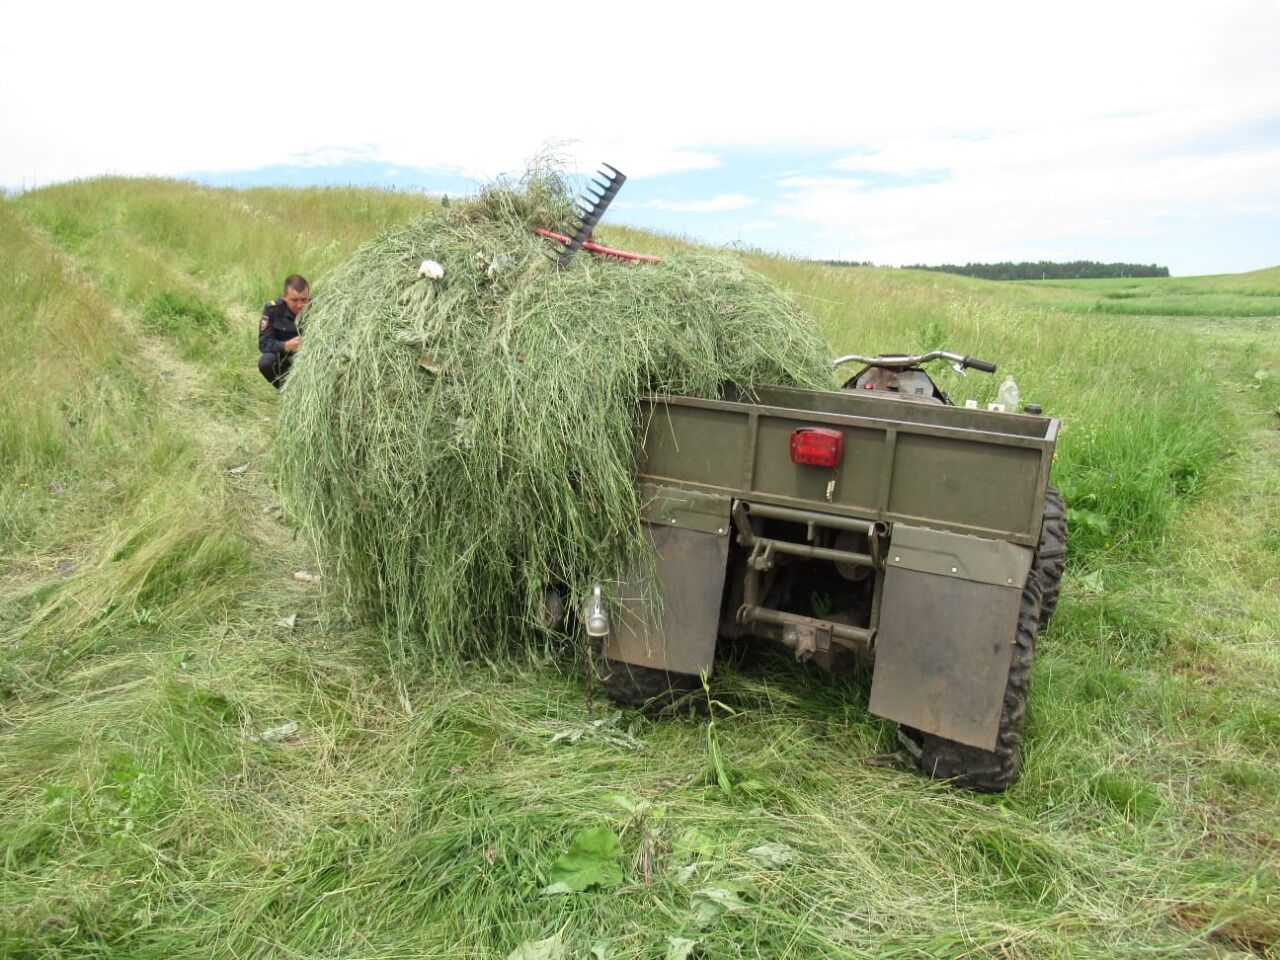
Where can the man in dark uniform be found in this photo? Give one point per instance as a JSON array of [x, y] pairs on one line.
[[278, 337]]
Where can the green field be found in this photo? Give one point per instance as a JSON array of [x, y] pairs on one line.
[[203, 756]]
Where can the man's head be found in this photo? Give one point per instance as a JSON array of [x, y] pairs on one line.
[[297, 293]]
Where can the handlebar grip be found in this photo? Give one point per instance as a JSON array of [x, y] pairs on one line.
[[983, 365]]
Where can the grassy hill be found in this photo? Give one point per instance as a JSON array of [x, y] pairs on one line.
[[200, 756]]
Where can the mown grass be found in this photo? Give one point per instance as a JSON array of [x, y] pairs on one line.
[[146, 647], [155, 242], [1255, 294], [65, 386]]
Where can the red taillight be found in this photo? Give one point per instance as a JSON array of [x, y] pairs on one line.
[[817, 446]]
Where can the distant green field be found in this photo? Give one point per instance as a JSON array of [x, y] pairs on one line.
[[1233, 295], [202, 755]]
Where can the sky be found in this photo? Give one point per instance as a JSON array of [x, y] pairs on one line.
[[896, 134]]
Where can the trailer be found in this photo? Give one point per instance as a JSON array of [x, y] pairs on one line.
[[876, 524]]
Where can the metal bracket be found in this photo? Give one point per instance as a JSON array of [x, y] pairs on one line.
[[806, 639], [741, 520], [761, 555]]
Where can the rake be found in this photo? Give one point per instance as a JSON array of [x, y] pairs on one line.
[[590, 208]]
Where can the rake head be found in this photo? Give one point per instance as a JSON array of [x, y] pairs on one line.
[[590, 208]]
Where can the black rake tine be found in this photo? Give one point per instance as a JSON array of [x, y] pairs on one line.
[[590, 207]]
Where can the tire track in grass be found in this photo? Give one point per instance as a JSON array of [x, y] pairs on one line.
[[184, 387], [236, 507]]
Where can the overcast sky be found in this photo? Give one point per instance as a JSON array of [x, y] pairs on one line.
[[901, 133]]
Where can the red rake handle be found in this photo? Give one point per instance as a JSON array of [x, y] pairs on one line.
[[596, 248]]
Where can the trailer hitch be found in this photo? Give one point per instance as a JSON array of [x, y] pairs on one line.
[[806, 636]]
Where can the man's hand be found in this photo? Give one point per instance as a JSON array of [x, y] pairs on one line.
[[291, 346]]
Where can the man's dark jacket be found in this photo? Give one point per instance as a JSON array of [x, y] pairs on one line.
[[278, 324]]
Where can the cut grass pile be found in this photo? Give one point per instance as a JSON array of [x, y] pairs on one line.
[[458, 446]]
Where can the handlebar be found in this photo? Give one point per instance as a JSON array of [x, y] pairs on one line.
[[902, 361]]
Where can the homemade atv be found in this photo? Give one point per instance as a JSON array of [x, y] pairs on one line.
[[878, 523]]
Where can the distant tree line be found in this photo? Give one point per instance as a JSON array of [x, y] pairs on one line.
[[1044, 270]]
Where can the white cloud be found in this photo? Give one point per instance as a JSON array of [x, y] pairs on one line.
[[169, 88], [636, 160], [1029, 120], [1022, 193], [821, 183], [722, 203]]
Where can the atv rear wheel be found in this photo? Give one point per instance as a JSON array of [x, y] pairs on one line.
[[991, 771], [1051, 555], [649, 689]]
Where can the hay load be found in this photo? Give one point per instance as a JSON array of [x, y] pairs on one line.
[[454, 446]]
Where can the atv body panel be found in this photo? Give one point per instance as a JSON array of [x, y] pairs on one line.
[[910, 553]]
